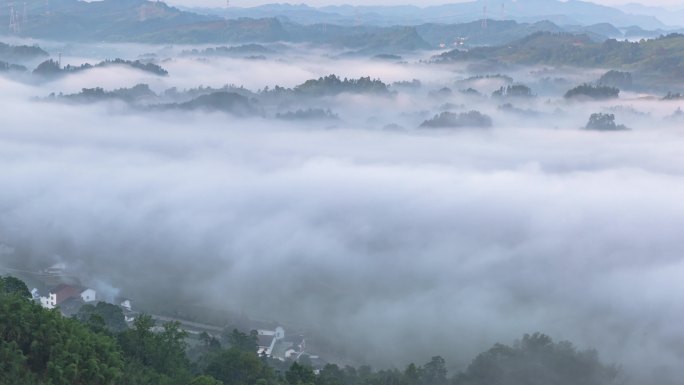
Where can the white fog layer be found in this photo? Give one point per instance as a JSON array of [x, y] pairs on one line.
[[394, 243]]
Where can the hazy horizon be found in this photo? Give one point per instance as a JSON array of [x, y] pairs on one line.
[[676, 4]]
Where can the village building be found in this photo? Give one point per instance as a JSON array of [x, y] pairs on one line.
[[267, 339], [275, 344], [64, 292]]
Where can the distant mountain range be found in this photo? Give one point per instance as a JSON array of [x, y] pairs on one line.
[[571, 12], [371, 30], [668, 16]]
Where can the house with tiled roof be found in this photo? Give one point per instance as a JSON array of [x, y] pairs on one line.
[[267, 339]]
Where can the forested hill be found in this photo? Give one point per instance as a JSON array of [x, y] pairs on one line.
[[664, 55], [96, 347], [20, 53]]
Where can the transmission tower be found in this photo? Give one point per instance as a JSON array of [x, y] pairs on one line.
[[13, 19], [484, 17]]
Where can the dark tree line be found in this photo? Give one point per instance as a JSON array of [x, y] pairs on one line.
[[604, 122], [20, 53], [333, 85], [514, 91], [229, 51], [308, 114], [616, 79], [52, 67], [589, 91], [7, 67], [537, 360], [471, 119]]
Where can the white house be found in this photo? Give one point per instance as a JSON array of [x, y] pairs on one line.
[[267, 339], [88, 295], [49, 302]]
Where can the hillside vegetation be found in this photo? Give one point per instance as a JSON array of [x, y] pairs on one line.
[[41, 347], [663, 56]]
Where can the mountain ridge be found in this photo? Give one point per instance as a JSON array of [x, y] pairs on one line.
[[572, 12]]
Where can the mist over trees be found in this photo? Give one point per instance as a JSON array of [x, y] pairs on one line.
[[6, 67], [52, 67], [21, 53], [397, 183], [547, 48], [219, 101], [604, 122], [354, 98], [514, 91], [308, 114], [588, 91], [332, 85], [239, 50], [138, 92], [40, 346], [473, 119], [616, 79], [537, 359]]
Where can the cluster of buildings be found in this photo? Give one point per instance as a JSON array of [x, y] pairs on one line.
[[62, 293], [69, 297], [52, 292], [275, 344], [458, 42]]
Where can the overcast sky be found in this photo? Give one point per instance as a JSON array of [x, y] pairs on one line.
[[249, 3]]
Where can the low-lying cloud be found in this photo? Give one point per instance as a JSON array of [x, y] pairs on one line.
[[397, 245]]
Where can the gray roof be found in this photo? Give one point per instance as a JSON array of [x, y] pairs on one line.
[[265, 341]]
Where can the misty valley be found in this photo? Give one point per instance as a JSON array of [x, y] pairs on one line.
[[209, 193]]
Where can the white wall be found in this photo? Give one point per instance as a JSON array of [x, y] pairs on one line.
[[89, 295], [49, 302]]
